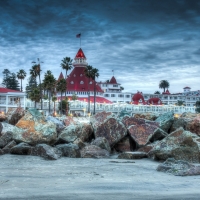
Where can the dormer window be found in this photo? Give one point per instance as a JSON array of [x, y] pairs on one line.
[[90, 82], [72, 82], [81, 82], [74, 75], [81, 74]]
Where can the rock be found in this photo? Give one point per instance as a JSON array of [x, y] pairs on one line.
[[72, 132], [133, 121], [2, 117], [145, 133], [69, 121], [21, 149], [125, 144], [5, 139], [69, 150], [132, 155], [190, 122], [179, 167], [102, 143], [14, 115], [99, 118], [46, 151], [148, 147], [5, 127], [180, 145], [93, 151], [59, 124], [112, 129], [165, 121], [148, 116], [124, 119], [123, 114], [80, 143], [36, 129], [8, 147]]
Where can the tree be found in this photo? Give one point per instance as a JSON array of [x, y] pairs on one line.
[[49, 83], [10, 80], [61, 87], [54, 105], [36, 71], [164, 84], [21, 75], [66, 65], [88, 74], [35, 95], [95, 74], [157, 92], [32, 83], [74, 97], [121, 88], [197, 104], [180, 103]]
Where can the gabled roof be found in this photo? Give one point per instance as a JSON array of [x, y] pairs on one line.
[[6, 90], [80, 54], [61, 76], [113, 80]]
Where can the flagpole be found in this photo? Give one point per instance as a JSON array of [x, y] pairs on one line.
[[80, 41]]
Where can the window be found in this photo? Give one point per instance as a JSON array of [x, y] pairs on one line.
[[115, 85], [127, 96], [120, 95], [81, 82], [72, 82], [81, 74], [112, 95], [90, 82], [74, 75], [106, 95]]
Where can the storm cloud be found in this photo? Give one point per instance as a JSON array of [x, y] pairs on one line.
[[142, 41]]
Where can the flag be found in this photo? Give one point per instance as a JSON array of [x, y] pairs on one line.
[[78, 35]]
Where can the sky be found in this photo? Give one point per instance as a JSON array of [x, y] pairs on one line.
[[143, 41]]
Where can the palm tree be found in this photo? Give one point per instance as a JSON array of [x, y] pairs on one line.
[[66, 65], [54, 106], [88, 74], [95, 74], [164, 84], [21, 75], [61, 87], [49, 83], [35, 95], [35, 71]]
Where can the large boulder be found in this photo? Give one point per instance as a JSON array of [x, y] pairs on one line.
[[180, 145], [46, 151], [5, 139], [72, 132], [102, 142], [14, 115], [8, 147], [112, 129], [59, 124], [21, 149], [132, 155], [165, 121], [147, 116], [69, 121], [97, 119], [145, 133], [123, 114], [3, 117], [190, 122], [179, 167], [93, 151], [36, 129], [69, 150], [133, 121]]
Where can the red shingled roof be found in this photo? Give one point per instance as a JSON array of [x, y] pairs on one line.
[[6, 90], [113, 80], [80, 54]]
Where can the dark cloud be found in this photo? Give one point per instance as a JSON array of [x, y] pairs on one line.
[[143, 41]]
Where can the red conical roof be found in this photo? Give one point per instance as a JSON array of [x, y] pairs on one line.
[[80, 54], [61, 76], [113, 80]]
